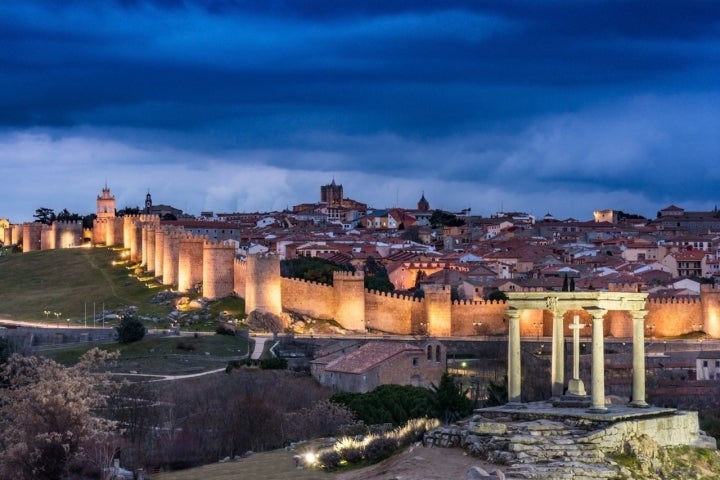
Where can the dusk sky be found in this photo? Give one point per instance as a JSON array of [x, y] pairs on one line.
[[222, 105]]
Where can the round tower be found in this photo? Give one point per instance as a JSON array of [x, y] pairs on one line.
[[190, 262], [159, 251], [218, 273], [263, 285], [438, 307], [149, 248], [171, 253], [349, 290], [32, 234]]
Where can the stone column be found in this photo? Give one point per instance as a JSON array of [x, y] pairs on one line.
[[638, 378], [557, 368], [575, 385], [514, 368], [598, 361]]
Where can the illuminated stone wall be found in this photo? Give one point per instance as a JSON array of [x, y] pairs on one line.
[[67, 234], [190, 262], [392, 313], [218, 275], [484, 318], [672, 316], [309, 298]]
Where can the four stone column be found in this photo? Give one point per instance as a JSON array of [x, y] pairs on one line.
[[557, 367], [598, 360], [638, 378], [514, 368]]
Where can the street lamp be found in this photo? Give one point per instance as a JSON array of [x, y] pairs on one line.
[[57, 317], [477, 326], [47, 313]]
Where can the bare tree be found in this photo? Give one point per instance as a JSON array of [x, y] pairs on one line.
[[48, 413]]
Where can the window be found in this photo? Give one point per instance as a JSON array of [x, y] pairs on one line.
[[717, 363], [415, 361], [437, 353], [705, 363], [429, 352]]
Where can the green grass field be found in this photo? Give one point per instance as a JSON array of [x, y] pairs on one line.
[[70, 281], [165, 355]]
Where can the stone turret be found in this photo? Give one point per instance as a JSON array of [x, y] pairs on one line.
[[218, 273], [263, 288], [349, 288], [438, 310]]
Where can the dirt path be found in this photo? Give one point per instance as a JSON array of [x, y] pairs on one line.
[[420, 463]]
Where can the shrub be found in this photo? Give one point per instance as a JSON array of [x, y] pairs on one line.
[[379, 448], [224, 329], [329, 459], [184, 346], [130, 330], [275, 363], [352, 454]]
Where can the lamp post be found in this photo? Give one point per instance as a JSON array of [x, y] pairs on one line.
[[47, 313], [57, 317]]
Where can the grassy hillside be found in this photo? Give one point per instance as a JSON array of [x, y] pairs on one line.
[[67, 281]]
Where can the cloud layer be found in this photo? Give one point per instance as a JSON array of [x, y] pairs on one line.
[[222, 105]]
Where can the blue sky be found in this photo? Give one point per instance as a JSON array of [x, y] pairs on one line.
[[560, 107]]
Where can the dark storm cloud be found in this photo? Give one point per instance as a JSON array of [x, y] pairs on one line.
[[577, 97]]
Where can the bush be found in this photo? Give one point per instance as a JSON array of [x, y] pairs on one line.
[[380, 448], [224, 329], [130, 330], [352, 454], [184, 346], [329, 459], [275, 363]]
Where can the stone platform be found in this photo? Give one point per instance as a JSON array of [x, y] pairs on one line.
[[539, 441]]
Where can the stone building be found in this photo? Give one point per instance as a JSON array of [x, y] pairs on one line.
[[381, 362]]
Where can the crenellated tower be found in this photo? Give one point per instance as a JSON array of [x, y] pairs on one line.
[[349, 291], [263, 289], [190, 262], [438, 311], [218, 273]]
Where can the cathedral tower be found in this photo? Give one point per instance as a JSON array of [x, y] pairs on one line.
[[106, 204]]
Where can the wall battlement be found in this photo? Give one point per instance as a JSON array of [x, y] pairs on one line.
[[674, 300], [258, 280]]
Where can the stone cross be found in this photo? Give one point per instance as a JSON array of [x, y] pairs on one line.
[[575, 385]]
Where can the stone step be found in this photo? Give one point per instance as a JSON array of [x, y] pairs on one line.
[[570, 470]]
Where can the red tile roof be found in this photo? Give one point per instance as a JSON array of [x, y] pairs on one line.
[[369, 356]]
